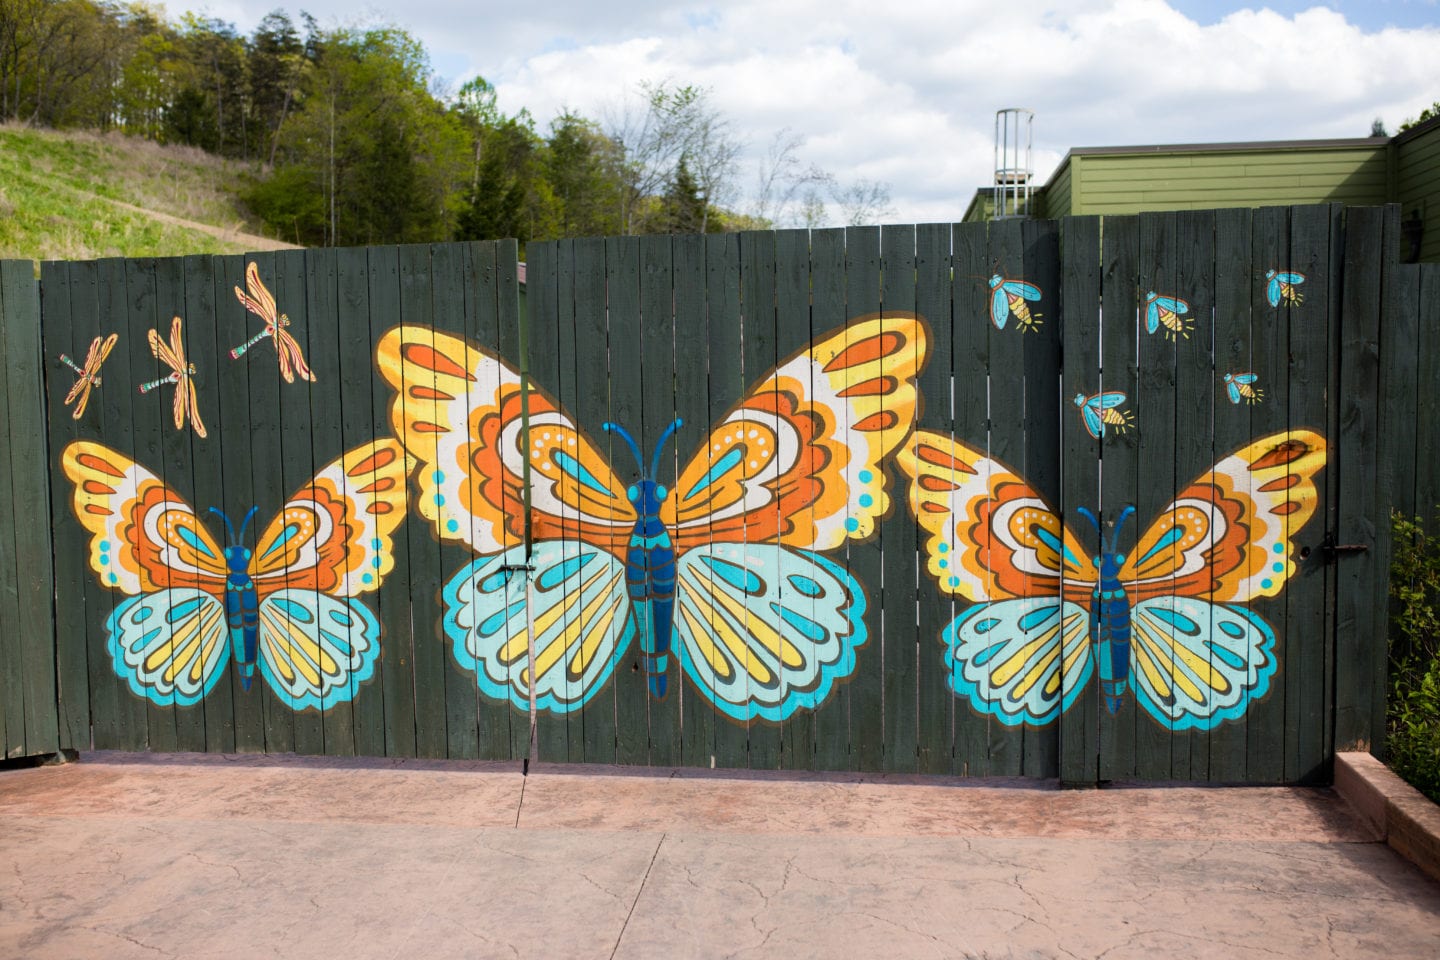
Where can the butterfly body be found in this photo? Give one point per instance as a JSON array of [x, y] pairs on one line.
[[1280, 287], [650, 565], [1009, 297], [1110, 618]]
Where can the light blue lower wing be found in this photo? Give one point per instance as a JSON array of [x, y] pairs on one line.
[[1152, 318], [1272, 291], [170, 646], [1194, 664], [1000, 308], [765, 630], [1093, 423], [316, 650], [1020, 661], [582, 619]]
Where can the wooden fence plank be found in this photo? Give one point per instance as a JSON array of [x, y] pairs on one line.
[[66, 329], [1158, 447], [935, 704], [696, 715], [895, 592], [595, 725], [1230, 421], [793, 334], [622, 268], [1356, 653], [1427, 408], [1122, 325], [30, 666], [867, 705], [971, 345], [354, 373], [727, 385], [1006, 439], [426, 576], [1196, 384], [551, 337], [511, 320], [656, 354], [397, 665], [1079, 726], [207, 459], [1040, 245], [1308, 672]]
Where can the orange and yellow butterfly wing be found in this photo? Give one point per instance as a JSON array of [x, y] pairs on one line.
[[1228, 536], [798, 460], [458, 410], [144, 536], [989, 535]]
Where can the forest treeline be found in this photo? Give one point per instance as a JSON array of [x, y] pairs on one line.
[[356, 141]]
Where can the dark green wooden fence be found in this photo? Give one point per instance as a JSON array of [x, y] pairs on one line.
[[641, 331]]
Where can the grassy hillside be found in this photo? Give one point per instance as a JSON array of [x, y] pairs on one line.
[[80, 196]]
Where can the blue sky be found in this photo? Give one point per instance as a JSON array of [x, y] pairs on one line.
[[906, 94]]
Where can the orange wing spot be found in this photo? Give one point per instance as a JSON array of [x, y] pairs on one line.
[[871, 388], [379, 486], [95, 486], [96, 463], [936, 483], [883, 420], [1287, 452], [867, 350], [96, 509], [379, 508], [425, 426], [942, 459], [929, 507], [429, 358], [426, 393], [1284, 483], [1286, 508], [381, 458]]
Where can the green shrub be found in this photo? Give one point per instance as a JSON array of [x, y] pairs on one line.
[[1413, 742]]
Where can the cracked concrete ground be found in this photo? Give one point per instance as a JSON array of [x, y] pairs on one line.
[[122, 856]]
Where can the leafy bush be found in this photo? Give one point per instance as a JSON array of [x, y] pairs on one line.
[[1413, 744]]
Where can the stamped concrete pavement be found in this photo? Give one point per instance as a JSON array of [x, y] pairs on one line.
[[121, 856]]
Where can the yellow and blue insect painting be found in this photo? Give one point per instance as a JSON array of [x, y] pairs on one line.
[[726, 567], [1168, 621], [291, 609], [1009, 297], [1280, 287]]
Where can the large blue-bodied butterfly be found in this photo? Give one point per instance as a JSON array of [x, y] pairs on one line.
[[291, 607], [1165, 620], [724, 556]]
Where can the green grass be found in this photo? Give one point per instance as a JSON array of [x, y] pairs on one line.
[[56, 187]]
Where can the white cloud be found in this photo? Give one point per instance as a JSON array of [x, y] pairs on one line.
[[906, 92]]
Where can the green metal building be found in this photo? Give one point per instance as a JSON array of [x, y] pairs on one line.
[[1403, 169]]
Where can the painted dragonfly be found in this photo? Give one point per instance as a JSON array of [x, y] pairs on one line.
[[89, 374], [182, 374], [260, 302]]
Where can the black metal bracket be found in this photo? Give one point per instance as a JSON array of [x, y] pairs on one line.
[[1332, 550]]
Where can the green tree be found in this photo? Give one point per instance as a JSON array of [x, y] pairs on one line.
[[1429, 113], [580, 166], [684, 208]]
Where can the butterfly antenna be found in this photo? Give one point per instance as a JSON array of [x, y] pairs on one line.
[[1115, 534], [246, 523], [228, 528], [655, 463], [609, 427], [1085, 512]]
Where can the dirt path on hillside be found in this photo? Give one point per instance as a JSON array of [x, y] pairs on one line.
[[250, 241]]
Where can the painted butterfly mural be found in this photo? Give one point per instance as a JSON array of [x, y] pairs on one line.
[[1165, 621], [729, 566], [290, 608]]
